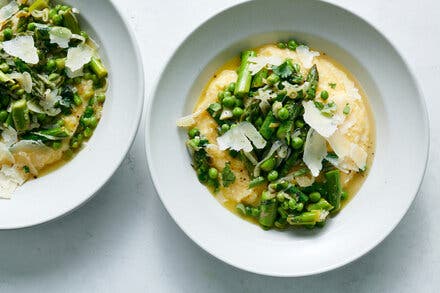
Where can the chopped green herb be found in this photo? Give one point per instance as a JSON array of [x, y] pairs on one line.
[[284, 70], [346, 110], [228, 176], [26, 169], [332, 85]]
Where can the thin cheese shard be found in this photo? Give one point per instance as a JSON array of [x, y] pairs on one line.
[[22, 47], [348, 150], [24, 79], [77, 57], [260, 62], [315, 150], [60, 35], [8, 10], [240, 138], [306, 56], [325, 126], [10, 179]]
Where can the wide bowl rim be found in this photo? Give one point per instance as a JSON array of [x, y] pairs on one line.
[[129, 142], [354, 257]]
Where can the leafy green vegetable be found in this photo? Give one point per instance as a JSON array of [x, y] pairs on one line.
[[285, 70], [228, 176]]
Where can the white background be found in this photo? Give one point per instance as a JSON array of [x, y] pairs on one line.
[[123, 240]]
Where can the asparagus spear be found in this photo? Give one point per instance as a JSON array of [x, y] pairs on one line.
[[244, 75], [322, 204], [334, 189], [312, 78], [70, 21], [286, 126], [258, 79], [98, 68], [39, 5], [306, 218], [20, 115], [266, 131], [268, 212]]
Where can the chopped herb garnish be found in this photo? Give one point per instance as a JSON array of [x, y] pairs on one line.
[[332, 85], [26, 169], [228, 176], [284, 70], [346, 110]]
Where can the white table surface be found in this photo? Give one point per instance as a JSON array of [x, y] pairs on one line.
[[123, 240]]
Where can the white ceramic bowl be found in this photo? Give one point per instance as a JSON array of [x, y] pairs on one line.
[[402, 137], [68, 187]]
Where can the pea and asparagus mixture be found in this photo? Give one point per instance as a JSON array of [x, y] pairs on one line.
[[283, 202], [52, 80]]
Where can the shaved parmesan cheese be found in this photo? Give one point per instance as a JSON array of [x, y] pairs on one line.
[[306, 56], [49, 102], [323, 215], [10, 179], [264, 95], [8, 10], [9, 136], [24, 79], [5, 154], [240, 138], [315, 150], [348, 150], [78, 57], [325, 126], [260, 62], [60, 36], [28, 145], [22, 47], [189, 120], [351, 90]]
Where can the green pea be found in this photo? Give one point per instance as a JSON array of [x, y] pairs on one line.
[[281, 45], [229, 101], [232, 126], [227, 93], [297, 143], [231, 87], [283, 113], [237, 112], [269, 164], [193, 132], [61, 63], [280, 196], [273, 79], [224, 128], [272, 176], [100, 98], [3, 116], [57, 19], [92, 122], [324, 95], [213, 173], [7, 33], [51, 65], [315, 196], [4, 67], [292, 204], [88, 132], [77, 99], [31, 26], [292, 45], [299, 123]]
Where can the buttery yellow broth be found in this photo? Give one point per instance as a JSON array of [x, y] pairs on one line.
[[238, 191]]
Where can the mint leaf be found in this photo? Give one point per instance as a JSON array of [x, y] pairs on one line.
[[228, 176]]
